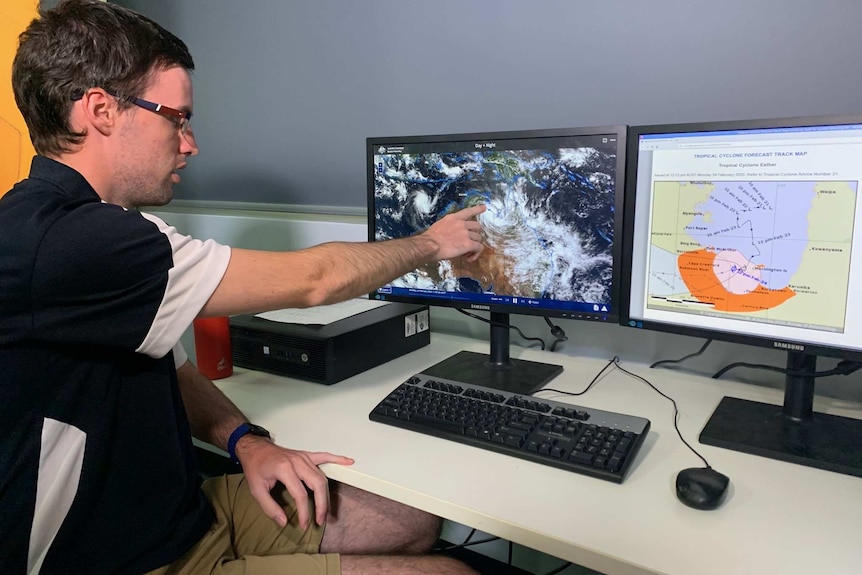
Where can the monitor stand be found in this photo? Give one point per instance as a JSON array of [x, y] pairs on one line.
[[792, 432], [497, 371]]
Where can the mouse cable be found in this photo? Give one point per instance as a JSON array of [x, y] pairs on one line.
[[845, 367], [615, 362], [682, 359], [498, 324], [586, 389]]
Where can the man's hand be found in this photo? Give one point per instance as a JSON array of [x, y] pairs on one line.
[[265, 463], [458, 234]]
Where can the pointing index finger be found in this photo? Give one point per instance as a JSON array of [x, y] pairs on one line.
[[472, 211]]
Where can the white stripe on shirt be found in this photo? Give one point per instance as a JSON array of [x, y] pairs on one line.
[[60, 461], [198, 268]]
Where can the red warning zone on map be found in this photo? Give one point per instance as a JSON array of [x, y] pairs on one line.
[[728, 281]]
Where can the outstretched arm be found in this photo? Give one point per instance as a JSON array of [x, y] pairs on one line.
[[257, 280], [213, 417]]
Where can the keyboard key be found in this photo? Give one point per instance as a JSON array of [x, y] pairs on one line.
[[525, 427], [514, 440], [583, 457]]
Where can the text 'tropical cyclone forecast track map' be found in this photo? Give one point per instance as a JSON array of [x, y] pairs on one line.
[[772, 251], [547, 230]]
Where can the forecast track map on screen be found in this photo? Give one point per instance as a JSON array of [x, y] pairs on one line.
[[753, 231]]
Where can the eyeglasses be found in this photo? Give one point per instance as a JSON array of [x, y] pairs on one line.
[[178, 117]]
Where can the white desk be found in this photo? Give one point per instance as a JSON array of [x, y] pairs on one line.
[[778, 517]]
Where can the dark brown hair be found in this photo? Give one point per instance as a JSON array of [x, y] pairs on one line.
[[81, 44]]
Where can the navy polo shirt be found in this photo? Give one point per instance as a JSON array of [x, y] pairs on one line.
[[97, 471]]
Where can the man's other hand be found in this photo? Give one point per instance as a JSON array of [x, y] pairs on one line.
[[264, 464]]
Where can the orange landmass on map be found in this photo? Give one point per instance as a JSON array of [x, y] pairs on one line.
[[697, 271]]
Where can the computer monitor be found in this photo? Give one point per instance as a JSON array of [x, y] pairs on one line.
[[747, 232], [554, 199]]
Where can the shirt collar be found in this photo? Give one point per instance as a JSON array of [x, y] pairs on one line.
[[67, 179]]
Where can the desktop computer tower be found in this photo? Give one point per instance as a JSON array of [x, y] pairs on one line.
[[329, 353]]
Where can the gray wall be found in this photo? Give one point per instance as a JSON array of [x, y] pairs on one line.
[[286, 91]]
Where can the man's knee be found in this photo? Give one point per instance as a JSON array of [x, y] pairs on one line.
[[364, 523]]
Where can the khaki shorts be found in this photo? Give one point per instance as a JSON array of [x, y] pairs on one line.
[[244, 541]]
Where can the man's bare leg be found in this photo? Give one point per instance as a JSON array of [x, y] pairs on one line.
[[375, 535], [360, 522]]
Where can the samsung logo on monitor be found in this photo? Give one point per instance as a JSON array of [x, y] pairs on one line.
[[478, 306], [788, 346]]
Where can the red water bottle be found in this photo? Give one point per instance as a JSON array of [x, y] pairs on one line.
[[212, 346]]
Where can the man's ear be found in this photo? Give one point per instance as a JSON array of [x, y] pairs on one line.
[[99, 109]]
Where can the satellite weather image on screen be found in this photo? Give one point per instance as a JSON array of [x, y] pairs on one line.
[[548, 227]]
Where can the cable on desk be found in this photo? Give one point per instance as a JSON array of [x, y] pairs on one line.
[[498, 324], [595, 379], [615, 361], [675, 409], [843, 368], [682, 359]]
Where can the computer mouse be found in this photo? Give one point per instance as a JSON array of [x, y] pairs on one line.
[[701, 487]]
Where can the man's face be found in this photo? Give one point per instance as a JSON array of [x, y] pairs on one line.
[[151, 147]]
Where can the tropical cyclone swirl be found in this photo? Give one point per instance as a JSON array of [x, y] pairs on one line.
[[765, 251], [548, 229]]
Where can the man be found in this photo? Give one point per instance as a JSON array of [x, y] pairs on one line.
[[99, 401]]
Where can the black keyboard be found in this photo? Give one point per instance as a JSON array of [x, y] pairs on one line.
[[590, 441]]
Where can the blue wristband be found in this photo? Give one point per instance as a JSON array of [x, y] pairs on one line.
[[243, 429]]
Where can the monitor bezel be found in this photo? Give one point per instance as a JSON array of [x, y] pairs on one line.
[[632, 158], [618, 131]]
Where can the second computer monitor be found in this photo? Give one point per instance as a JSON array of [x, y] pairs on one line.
[[748, 231]]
